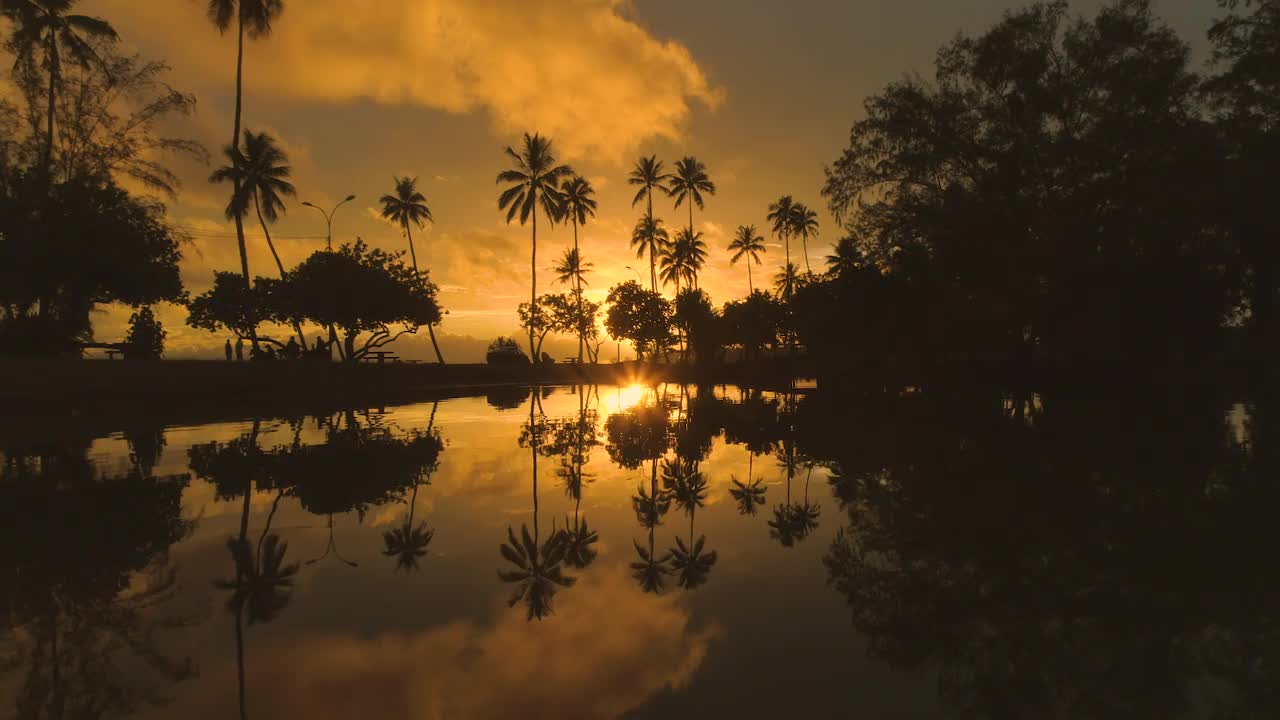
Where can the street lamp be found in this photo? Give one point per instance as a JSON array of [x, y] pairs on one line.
[[637, 272], [328, 218]]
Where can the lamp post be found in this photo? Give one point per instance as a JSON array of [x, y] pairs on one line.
[[328, 218], [328, 244]]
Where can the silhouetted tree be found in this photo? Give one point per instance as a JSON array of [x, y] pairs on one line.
[[648, 174], [535, 181], [688, 184], [407, 207], [747, 244]]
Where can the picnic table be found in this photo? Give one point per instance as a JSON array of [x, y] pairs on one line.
[[381, 356]]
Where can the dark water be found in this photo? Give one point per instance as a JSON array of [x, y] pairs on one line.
[[648, 552]]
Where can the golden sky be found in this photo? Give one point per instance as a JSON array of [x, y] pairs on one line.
[[762, 92]]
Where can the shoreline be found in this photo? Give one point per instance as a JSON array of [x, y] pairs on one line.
[[40, 387]]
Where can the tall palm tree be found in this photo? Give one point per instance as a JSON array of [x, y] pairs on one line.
[[785, 280], [252, 17], [804, 224], [694, 252], [578, 203], [535, 181], [782, 215], [672, 267], [649, 236], [746, 243], [260, 175], [648, 175], [689, 183], [573, 269], [38, 28], [407, 207]]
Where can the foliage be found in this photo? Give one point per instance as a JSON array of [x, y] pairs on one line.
[[232, 306], [1026, 201], [361, 291], [505, 351], [752, 324], [640, 316], [96, 244], [146, 335], [697, 319]]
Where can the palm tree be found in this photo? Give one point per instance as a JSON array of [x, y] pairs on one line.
[[688, 184], [746, 243], [845, 257], [648, 174], [38, 27], [804, 225], [785, 280], [579, 203], [407, 207], [672, 267], [535, 181], [694, 252], [253, 17], [259, 173], [573, 269], [649, 236], [782, 215]]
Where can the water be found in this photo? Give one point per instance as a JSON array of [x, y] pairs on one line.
[[904, 558]]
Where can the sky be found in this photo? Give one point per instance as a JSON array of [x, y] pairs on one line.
[[762, 91]]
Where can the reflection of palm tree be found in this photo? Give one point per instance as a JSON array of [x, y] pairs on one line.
[[688, 487], [263, 580], [651, 569], [537, 574], [331, 548], [577, 536], [748, 495], [409, 542], [793, 521]]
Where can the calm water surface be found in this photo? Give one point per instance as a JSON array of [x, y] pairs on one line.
[[644, 552]]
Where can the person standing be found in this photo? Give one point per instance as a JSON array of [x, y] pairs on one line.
[[227, 349], [239, 349]]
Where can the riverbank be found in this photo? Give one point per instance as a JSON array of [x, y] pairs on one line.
[[31, 387]]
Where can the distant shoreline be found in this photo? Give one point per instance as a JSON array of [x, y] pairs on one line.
[[44, 387]]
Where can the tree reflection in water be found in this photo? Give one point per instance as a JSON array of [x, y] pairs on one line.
[[86, 581], [1103, 558]]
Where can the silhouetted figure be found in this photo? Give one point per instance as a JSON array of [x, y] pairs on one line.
[[227, 349], [292, 350], [239, 349]]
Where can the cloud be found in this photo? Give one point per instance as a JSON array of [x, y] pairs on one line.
[[606, 650], [579, 71]]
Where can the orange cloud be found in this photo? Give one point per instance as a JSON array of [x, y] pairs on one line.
[[577, 70], [607, 650]]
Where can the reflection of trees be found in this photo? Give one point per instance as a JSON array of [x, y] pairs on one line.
[[408, 543], [793, 522], [572, 440], [536, 573], [750, 494], [356, 466], [1111, 559], [688, 488], [84, 578]]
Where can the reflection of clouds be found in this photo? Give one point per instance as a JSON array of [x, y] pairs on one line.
[[607, 650], [510, 58]]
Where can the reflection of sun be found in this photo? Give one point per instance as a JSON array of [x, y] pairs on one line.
[[626, 397]]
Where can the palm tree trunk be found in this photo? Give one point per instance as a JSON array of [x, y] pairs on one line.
[[533, 448], [297, 326], [804, 242], [240, 658], [750, 290], [653, 267], [413, 256], [533, 296], [235, 146], [578, 277]]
